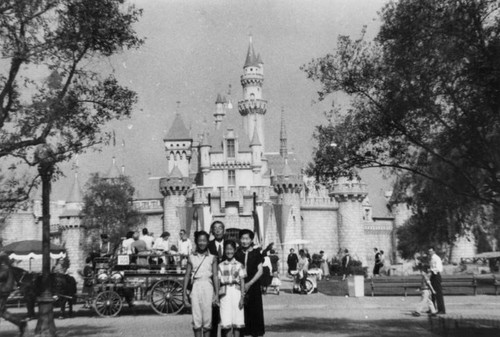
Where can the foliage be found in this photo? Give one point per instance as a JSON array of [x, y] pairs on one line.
[[108, 210], [64, 39], [424, 95], [356, 268]]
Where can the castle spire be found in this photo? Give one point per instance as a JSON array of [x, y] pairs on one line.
[[251, 59], [283, 137], [75, 194]]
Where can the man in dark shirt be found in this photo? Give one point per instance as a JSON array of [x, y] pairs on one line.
[[139, 248], [216, 246], [292, 260]]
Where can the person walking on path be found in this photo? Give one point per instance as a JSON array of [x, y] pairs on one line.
[[252, 261], [324, 264], [425, 305], [232, 287], [216, 247], [7, 284], [436, 268], [202, 271], [378, 262], [292, 261], [303, 268], [346, 260]]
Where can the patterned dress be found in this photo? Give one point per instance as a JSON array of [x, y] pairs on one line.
[[230, 275]]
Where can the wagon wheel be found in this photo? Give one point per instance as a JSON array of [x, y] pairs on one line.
[[108, 303], [309, 287], [166, 297]]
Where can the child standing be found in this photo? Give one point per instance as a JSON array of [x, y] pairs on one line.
[[202, 270], [425, 304], [232, 286]]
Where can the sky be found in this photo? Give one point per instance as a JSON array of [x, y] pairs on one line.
[[195, 49]]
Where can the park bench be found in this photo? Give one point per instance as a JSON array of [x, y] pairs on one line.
[[394, 285], [455, 282]]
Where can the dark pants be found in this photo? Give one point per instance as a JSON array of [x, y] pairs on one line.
[[5, 314], [215, 321], [437, 297]]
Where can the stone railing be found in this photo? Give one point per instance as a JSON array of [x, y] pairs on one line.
[[144, 205]]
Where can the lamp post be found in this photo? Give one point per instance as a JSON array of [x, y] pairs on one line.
[[45, 326]]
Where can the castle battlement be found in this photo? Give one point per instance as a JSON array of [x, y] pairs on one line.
[[230, 194], [318, 201]]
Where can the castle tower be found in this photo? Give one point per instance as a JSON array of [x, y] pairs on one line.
[[174, 189], [288, 186], [220, 111], [350, 195], [256, 147], [178, 145], [205, 153], [71, 231], [283, 138], [253, 107]]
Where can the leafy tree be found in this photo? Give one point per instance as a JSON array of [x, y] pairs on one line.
[[64, 39], [424, 94], [108, 210]]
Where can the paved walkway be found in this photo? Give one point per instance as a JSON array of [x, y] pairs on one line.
[[288, 315]]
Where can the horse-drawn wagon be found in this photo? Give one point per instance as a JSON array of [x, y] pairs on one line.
[[154, 279]]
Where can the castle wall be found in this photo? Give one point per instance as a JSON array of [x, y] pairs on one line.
[[154, 224], [294, 224], [20, 226], [378, 234], [320, 228]]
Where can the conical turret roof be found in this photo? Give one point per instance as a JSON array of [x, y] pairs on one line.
[[251, 59], [259, 60], [178, 130], [75, 194], [219, 99], [205, 141], [113, 172]]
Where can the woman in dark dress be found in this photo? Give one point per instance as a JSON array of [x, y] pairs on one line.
[[252, 260]]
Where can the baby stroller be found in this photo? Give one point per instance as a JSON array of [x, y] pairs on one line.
[[309, 285]]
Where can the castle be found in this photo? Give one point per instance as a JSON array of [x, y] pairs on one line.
[[227, 174]]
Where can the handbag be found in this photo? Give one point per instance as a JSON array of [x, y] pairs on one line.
[[191, 280]]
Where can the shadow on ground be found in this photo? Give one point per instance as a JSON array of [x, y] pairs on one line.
[[73, 331], [351, 328]]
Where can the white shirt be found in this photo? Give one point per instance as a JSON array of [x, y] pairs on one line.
[[185, 247], [161, 244], [436, 264], [219, 244], [148, 240], [126, 246]]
